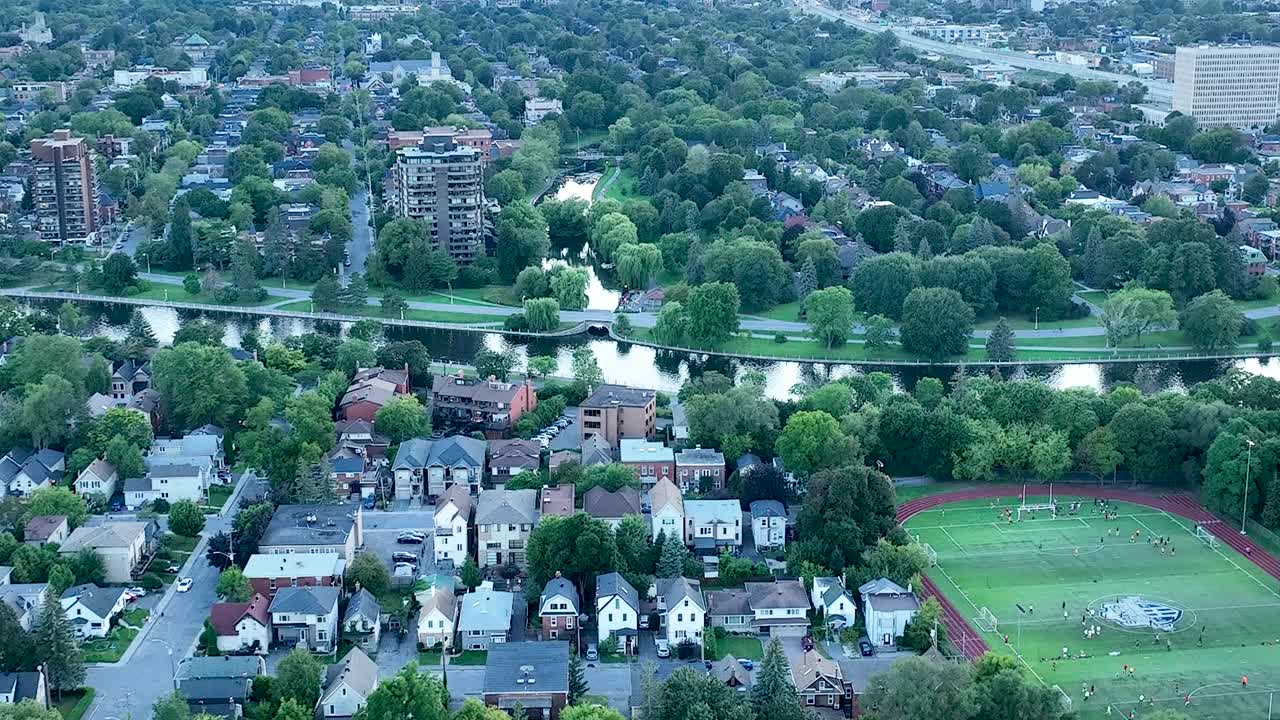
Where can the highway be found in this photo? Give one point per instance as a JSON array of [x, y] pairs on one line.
[[1159, 92]]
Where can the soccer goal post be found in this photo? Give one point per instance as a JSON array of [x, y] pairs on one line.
[[986, 620], [1034, 508], [1207, 537], [931, 553]]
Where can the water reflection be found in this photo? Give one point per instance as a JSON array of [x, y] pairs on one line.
[[581, 187]]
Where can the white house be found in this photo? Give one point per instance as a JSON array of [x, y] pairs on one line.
[[453, 514], [438, 619], [777, 609], [242, 626], [837, 606], [537, 109], [347, 686], [306, 617], [179, 481], [887, 607], [666, 509], [99, 477], [682, 608], [768, 524], [504, 521], [24, 471], [121, 546], [558, 608], [617, 611], [362, 623], [713, 525], [485, 618], [90, 609]]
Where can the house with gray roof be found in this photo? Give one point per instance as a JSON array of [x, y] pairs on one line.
[[558, 608], [23, 471], [335, 528], [887, 607], [121, 545], [768, 524], [779, 608], [429, 467], [530, 675], [617, 612], [504, 520], [362, 622], [830, 597], [26, 599], [348, 684], [611, 507], [219, 685], [43, 529], [221, 666], [700, 469], [682, 609], [485, 619], [595, 450], [90, 609], [306, 617], [99, 477], [16, 687]]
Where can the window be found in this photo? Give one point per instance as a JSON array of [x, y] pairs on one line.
[[679, 617]]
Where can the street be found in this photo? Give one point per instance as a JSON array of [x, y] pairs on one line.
[[361, 233]]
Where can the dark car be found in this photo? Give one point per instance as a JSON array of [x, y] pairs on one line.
[[401, 556], [410, 538], [864, 647], [370, 502], [806, 643]]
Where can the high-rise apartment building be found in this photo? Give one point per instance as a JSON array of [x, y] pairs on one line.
[[64, 189], [1228, 85], [440, 182]]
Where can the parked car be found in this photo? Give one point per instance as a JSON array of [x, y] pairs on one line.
[[865, 648], [172, 569], [369, 502], [593, 653], [117, 506], [664, 648], [411, 538], [136, 591], [184, 584], [405, 569], [806, 643], [644, 622], [748, 664], [401, 556]]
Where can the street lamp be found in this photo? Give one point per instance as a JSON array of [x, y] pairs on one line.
[[1248, 461], [1037, 317]]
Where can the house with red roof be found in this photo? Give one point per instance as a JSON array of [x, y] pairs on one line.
[[242, 626]]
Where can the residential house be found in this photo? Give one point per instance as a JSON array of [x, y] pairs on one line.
[[531, 676], [452, 519], [833, 601], [779, 608], [666, 510], [426, 468], [713, 525], [887, 607], [611, 507], [358, 438], [485, 619], [650, 460], [369, 391], [16, 687], [504, 520], [558, 608], [1255, 262], [269, 573], [682, 608], [362, 623], [617, 612], [219, 685], [615, 412], [729, 670], [242, 626], [99, 477], [170, 483], [23, 471], [26, 599], [557, 500], [818, 680], [512, 457], [438, 619], [861, 674], [306, 617], [348, 684], [768, 524], [129, 379], [538, 108], [700, 470], [121, 545], [314, 529], [90, 609], [43, 529], [595, 450], [491, 405]]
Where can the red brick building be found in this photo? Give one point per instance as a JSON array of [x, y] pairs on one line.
[[267, 573]]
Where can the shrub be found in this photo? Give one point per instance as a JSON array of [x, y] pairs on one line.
[[160, 505], [780, 338], [515, 322], [151, 581]]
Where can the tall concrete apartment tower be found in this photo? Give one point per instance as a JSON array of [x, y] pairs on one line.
[[1228, 85], [64, 189], [441, 183]]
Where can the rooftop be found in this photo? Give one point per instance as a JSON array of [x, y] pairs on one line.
[[289, 565], [527, 667], [644, 451], [615, 395], [311, 525]]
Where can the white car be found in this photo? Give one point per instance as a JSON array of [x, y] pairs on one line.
[[184, 584], [664, 648], [136, 591]]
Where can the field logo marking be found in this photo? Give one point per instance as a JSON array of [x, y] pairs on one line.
[[1135, 612]]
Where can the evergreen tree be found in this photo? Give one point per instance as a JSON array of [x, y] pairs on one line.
[[577, 678], [1095, 271], [902, 237], [312, 484], [1000, 342], [140, 337], [277, 249], [178, 254], [356, 293], [16, 647], [308, 263], [58, 650], [671, 560], [772, 695], [244, 271], [924, 252], [808, 280], [325, 295]]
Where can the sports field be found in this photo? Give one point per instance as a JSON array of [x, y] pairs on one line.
[[1216, 614]]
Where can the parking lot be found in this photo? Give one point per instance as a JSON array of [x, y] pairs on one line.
[[382, 528]]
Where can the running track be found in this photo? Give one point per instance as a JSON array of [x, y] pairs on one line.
[[970, 642]]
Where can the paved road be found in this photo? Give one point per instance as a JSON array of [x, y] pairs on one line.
[[1158, 91], [362, 235], [129, 688]]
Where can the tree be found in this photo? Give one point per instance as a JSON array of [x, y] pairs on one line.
[[17, 647], [693, 695], [1000, 342], [58, 650], [637, 264], [846, 511], [522, 238], [672, 324], [672, 556], [393, 304], [118, 273], [199, 384], [1255, 189], [1212, 322], [402, 418], [233, 586], [899, 563], [878, 332], [55, 500], [506, 187], [493, 364], [579, 547], [810, 441], [881, 284], [970, 162], [589, 712], [186, 518], [773, 695], [298, 678], [28, 710], [49, 411], [569, 287], [541, 366], [830, 315], [918, 688], [140, 335], [1097, 454], [936, 322], [326, 295], [577, 678], [1132, 311], [370, 573], [70, 320], [470, 573], [356, 292], [713, 313], [291, 709], [926, 628], [542, 314], [171, 707], [88, 567], [586, 371], [408, 695]]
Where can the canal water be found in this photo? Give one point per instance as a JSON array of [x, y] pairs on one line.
[[599, 297], [645, 367]]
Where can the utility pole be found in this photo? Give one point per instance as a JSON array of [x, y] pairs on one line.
[[1248, 462]]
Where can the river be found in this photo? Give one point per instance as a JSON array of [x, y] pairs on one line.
[[635, 365], [581, 186]]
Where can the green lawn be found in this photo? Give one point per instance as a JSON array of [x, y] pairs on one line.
[[789, 312], [412, 314], [1097, 297], [622, 189], [1020, 321], [431, 658], [176, 293], [179, 543], [1221, 609], [73, 705], [112, 647], [743, 648], [219, 495]]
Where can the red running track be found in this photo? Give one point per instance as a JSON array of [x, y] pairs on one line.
[[971, 643]]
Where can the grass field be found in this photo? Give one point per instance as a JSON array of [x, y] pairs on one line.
[[1224, 621]]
